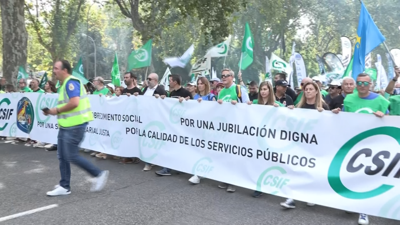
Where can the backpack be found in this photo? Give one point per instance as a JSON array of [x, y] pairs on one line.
[[239, 93]]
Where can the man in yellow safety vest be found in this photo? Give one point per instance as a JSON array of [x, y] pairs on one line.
[[73, 114]]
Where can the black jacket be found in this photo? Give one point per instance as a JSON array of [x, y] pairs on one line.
[[159, 90]]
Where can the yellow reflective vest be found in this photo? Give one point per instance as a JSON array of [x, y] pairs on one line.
[[80, 114]]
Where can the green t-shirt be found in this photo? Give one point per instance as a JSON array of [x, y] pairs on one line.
[[228, 94], [324, 93], [103, 91], [255, 101], [38, 91], [373, 103], [26, 89], [394, 105]]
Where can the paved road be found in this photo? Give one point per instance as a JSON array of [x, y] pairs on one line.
[[136, 197]]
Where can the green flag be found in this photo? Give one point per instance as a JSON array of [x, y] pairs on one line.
[[140, 57], [349, 69], [22, 74], [247, 49], [78, 72], [115, 75], [43, 81]]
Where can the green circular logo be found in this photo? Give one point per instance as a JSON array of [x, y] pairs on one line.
[[6, 113], [13, 130], [202, 167], [151, 145], [116, 140], [44, 101], [337, 162], [176, 113], [272, 180]]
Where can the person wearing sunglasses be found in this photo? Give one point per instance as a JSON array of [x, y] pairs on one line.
[[335, 88], [367, 102], [152, 88], [348, 85], [231, 92]]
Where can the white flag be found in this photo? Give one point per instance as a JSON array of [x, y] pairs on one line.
[[220, 50], [213, 73], [396, 56], [368, 61], [300, 68], [346, 51], [279, 64], [181, 61], [165, 79], [202, 64], [381, 78]]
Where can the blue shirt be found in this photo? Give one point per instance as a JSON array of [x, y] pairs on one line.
[[208, 97], [73, 88], [371, 96]]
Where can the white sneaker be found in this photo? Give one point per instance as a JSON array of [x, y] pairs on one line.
[[363, 219], [194, 179], [310, 204], [39, 145], [147, 167], [58, 191], [48, 146], [100, 182]]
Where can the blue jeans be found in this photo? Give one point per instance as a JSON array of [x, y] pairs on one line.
[[69, 139]]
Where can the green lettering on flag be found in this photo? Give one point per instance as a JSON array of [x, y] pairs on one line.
[[43, 81], [247, 49], [115, 75], [140, 57], [78, 72]]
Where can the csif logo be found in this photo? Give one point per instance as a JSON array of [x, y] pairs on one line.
[[43, 101], [278, 64], [149, 147], [203, 167], [177, 111], [272, 180], [142, 55], [5, 112], [223, 47], [116, 140], [383, 164]]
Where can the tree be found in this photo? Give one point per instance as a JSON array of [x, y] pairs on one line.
[[55, 27], [16, 36]]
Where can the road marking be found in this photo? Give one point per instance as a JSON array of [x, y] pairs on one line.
[[2, 219]]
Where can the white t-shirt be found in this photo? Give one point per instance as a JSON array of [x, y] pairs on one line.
[[150, 91]]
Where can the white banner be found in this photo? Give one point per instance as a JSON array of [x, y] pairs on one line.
[[346, 51], [300, 68], [283, 152]]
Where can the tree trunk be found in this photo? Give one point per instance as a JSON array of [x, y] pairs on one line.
[[15, 38]]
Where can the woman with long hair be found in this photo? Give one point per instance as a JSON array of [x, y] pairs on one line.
[[203, 90], [50, 87], [118, 91], [266, 95], [311, 99]]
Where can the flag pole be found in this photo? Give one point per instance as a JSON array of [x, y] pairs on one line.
[[387, 49], [225, 59], [145, 77]]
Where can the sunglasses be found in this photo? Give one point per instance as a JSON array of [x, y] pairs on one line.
[[149, 79], [225, 75], [361, 83], [334, 88]]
